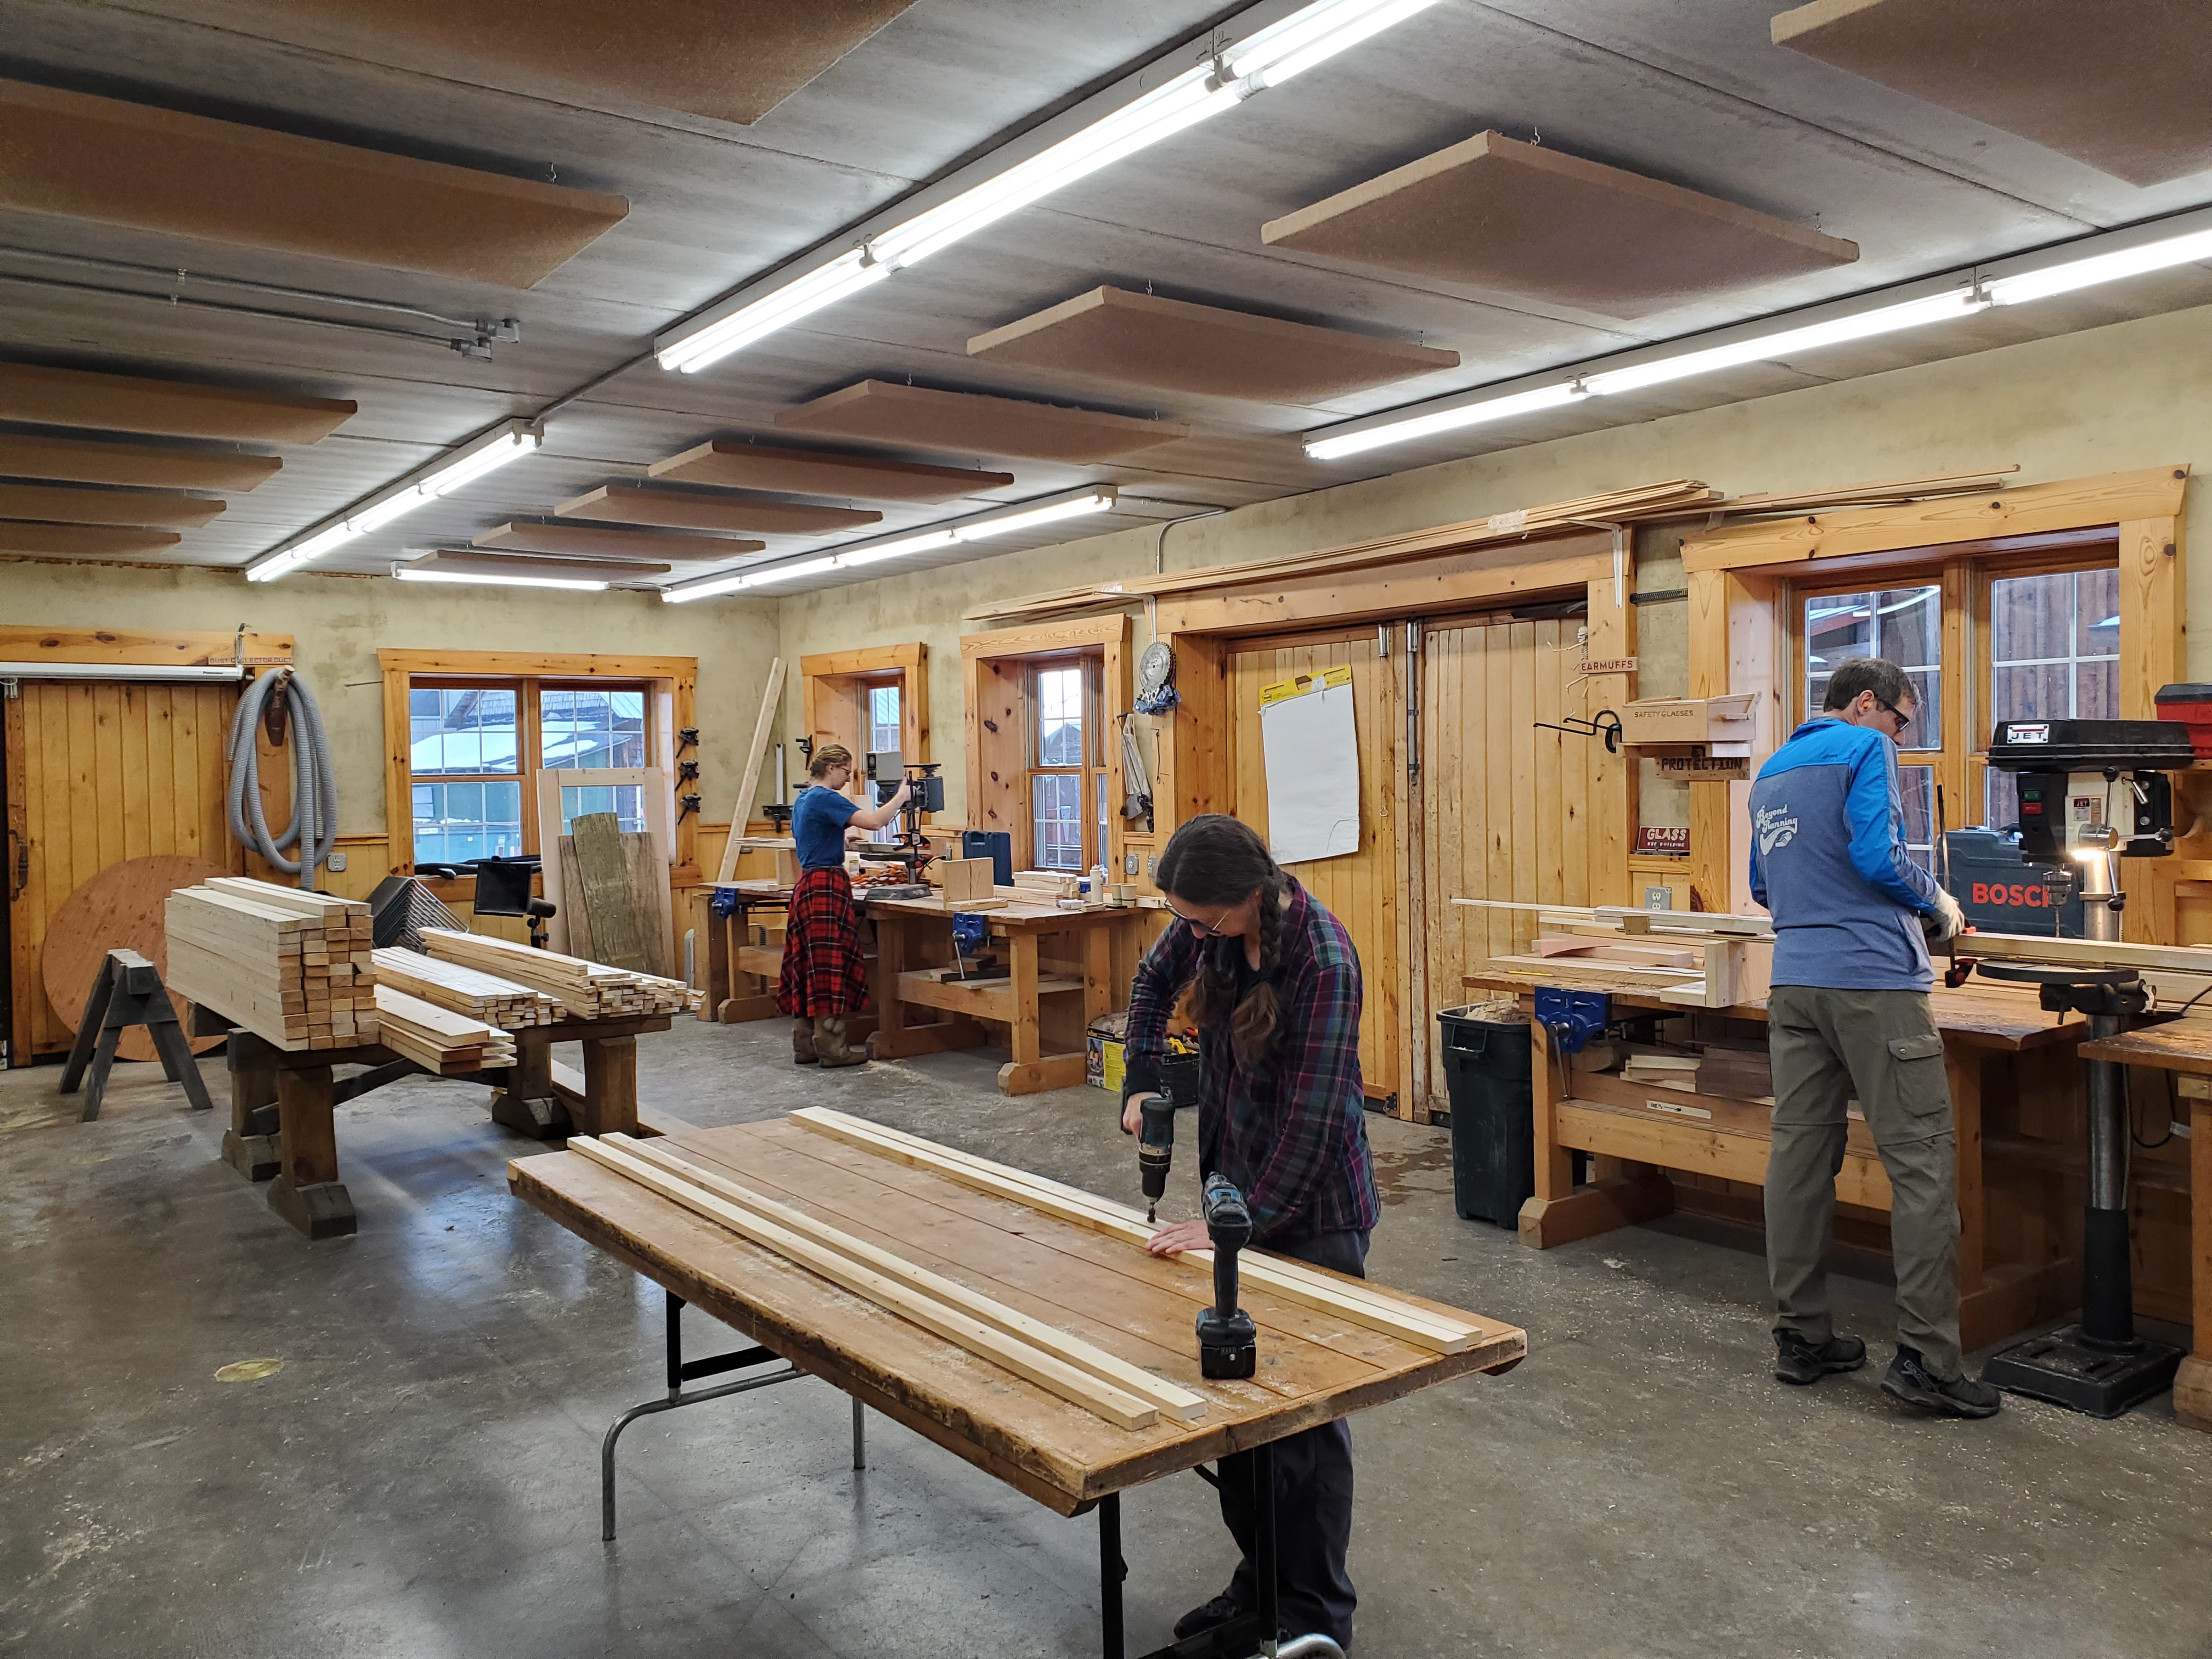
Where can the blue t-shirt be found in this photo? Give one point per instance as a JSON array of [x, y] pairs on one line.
[[817, 825]]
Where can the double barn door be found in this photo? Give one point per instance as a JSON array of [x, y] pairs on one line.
[[1472, 798]]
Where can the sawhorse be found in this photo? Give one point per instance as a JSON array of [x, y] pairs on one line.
[[128, 991]]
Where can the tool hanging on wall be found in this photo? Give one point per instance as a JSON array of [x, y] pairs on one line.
[[690, 804], [270, 698], [688, 770], [1604, 724], [687, 737]]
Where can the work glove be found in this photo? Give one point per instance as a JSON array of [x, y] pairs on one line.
[[1946, 922]]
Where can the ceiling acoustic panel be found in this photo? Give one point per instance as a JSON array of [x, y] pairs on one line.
[[157, 509], [736, 462], [165, 408], [1112, 334], [681, 507], [1495, 213], [606, 541], [2123, 85], [83, 460], [77, 157], [729, 60], [83, 541], [493, 564], [971, 423]]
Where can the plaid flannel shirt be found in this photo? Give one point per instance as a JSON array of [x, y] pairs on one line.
[[1292, 1135]]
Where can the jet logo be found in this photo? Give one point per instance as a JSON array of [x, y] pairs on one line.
[[1774, 830]]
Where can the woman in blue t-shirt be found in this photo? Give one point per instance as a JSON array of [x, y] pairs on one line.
[[823, 978]]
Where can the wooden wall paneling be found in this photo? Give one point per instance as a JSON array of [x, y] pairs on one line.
[[994, 667], [1551, 757], [1195, 750], [22, 854], [2152, 614], [1739, 641], [1613, 777], [1409, 867]]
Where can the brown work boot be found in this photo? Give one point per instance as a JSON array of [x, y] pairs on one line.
[[830, 1045], [802, 1042]]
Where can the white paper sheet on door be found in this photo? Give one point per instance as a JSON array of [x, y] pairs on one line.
[[1311, 754]]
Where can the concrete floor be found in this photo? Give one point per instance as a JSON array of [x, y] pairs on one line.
[[420, 1478]]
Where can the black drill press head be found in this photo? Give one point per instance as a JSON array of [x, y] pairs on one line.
[[1228, 1341]]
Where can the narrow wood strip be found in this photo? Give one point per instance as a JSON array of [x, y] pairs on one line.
[[1175, 1402], [1405, 1323], [1117, 1407]]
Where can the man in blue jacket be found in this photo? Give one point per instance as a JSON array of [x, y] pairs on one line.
[[1849, 1018]]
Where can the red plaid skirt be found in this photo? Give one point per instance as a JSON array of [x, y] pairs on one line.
[[822, 972]]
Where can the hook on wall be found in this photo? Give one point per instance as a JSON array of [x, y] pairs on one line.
[[1604, 724]]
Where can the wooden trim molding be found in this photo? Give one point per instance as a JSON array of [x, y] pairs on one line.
[[1082, 632], [1109, 636], [122, 646], [828, 674], [675, 682], [871, 660]]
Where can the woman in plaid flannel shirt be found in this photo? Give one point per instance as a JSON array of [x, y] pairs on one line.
[[1281, 1113]]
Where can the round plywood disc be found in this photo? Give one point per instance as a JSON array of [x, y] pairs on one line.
[[118, 909]]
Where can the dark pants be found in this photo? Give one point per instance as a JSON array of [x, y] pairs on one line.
[[1313, 1493]]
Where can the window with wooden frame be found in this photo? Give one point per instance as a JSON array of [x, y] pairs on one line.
[[476, 746], [1067, 786], [1981, 641]]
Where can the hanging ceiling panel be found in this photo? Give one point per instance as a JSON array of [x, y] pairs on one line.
[[1494, 213], [167, 409], [83, 541], [116, 163], [611, 541], [711, 509], [146, 508], [969, 423], [735, 462], [1143, 339], [2123, 85], [83, 461]]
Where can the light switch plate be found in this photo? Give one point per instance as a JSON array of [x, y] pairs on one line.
[[1130, 862], [337, 861]]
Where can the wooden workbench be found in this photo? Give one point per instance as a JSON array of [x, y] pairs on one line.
[[737, 978], [2185, 1049], [1039, 1009], [1651, 1129], [284, 1104], [1313, 1368]]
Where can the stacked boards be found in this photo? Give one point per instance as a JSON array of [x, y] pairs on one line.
[[585, 990], [438, 1039], [293, 967], [495, 1002], [1123, 1394]]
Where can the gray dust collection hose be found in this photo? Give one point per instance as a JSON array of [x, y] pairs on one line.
[[314, 785]]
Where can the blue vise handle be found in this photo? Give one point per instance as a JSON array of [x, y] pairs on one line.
[[968, 930], [1572, 1017]]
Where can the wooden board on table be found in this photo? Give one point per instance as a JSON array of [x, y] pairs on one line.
[[118, 909], [1137, 1307]]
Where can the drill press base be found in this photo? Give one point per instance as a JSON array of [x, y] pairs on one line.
[[2063, 1368]]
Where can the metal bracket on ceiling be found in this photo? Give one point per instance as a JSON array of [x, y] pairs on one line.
[[488, 330], [1620, 556]]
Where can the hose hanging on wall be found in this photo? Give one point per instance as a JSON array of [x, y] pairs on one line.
[[314, 784]]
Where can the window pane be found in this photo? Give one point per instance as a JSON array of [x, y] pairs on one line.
[[1060, 717], [1056, 809], [883, 718], [2097, 612], [2054, 646], [1916, 787], [2031, 617], [460, 730], [590, 728], [2002, 807], [625, 800], [1908, 623], [1098, 846], [457, 822], [2036, 692]]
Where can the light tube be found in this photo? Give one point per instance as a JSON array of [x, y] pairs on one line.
[[2101, 268], [1884, 319], [1445, 420], [120, 671], [510, 442], [409, 574], [1311, 35]]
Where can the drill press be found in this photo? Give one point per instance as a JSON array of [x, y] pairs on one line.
[[887, 769]]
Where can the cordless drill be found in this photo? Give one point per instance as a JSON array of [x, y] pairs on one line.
[[1156, 1140], [1228, 1341]]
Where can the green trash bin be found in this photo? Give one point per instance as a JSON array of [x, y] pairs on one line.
[[1487, 1075]]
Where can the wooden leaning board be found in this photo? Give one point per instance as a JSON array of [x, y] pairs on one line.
[[1316, 1362]]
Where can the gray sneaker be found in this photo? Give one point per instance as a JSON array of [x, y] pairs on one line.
[[1910, 1380], [1798, 1362]]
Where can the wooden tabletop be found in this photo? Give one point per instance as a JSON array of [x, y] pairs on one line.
[[760, 890], [1313, 1368], [1016, 916], [2185, 1046], [1979, 1014]]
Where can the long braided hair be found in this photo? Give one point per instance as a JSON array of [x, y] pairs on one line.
[[1214, 859]]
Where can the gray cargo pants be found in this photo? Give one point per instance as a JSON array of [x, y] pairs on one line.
[[1882, 1047]]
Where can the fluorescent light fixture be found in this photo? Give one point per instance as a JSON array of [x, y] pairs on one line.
[[1001, 521], [2101, 268], [1126, 119], [1765, 348], [409, 573], [508, 441], [120, 671], [1445, 420]]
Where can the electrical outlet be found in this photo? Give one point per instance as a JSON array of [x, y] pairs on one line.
[[1130, 863], [336, 863], [1151, 865]]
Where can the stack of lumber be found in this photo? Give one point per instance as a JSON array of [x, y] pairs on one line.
[[1422, 1325], [1046, 886], [1123, 1394], [585, 990], [469, 991], [438, 1039], [293, 967], [1661, 1067], [1692, 958]]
